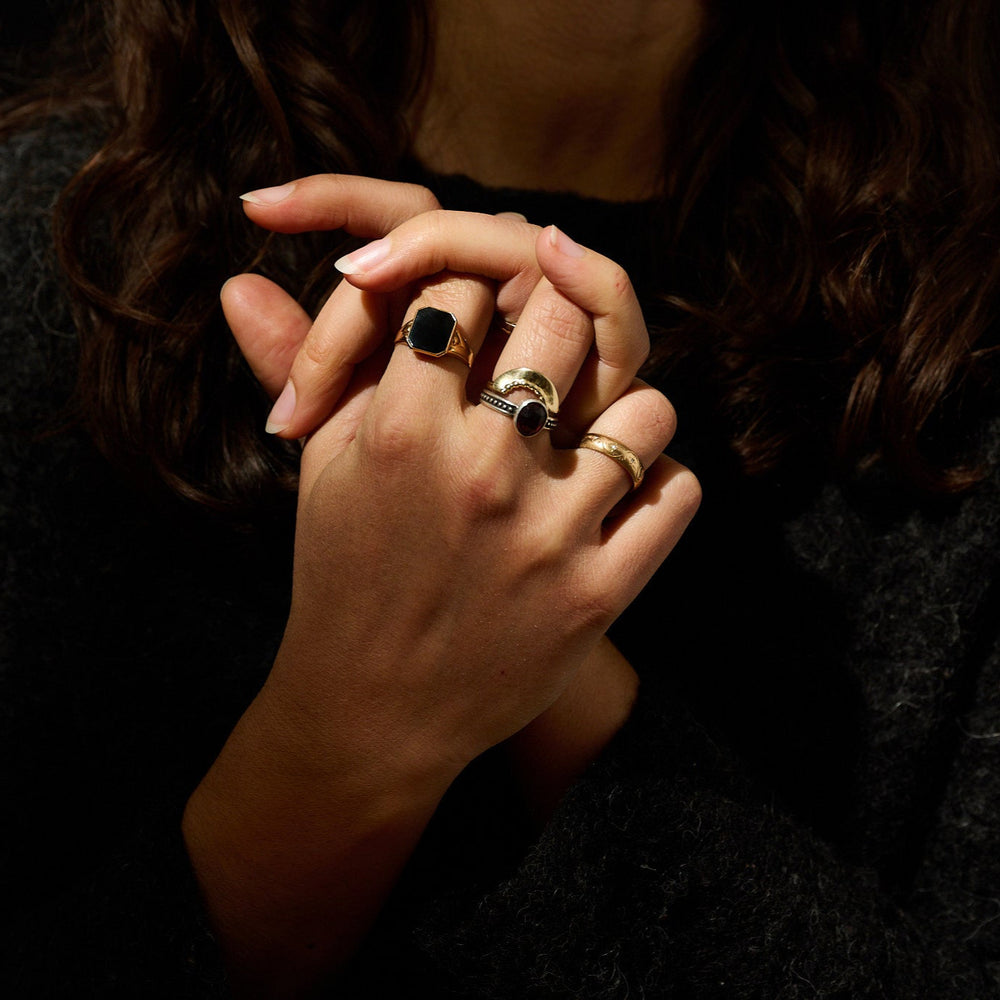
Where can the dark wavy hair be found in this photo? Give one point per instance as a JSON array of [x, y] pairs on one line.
[[830, 229], [840, 218]]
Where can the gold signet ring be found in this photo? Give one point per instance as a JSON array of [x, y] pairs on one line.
[[435, 332]]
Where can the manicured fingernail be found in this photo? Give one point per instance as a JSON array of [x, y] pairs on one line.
[[512, 215], [282, 411], [561, 242], [269, 196], [364, 259]]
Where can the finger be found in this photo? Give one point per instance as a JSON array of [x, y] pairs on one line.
[[498, 248], [602, 288], [645, 528], [643, 421], [351, 323], [268, 324], [348, 329], [470, 299], [590, 351], [501, 247], [363, 206], [552, 337], [336, 433]]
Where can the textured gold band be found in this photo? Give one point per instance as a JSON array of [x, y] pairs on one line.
[[621, 453]]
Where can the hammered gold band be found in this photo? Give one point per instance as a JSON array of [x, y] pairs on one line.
[[621, 453]]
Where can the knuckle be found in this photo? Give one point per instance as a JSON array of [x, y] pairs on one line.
[[563, 320], [661, 417], [457, 293], [433, 219], [685, 491], [547, 543], [487, 499], [391, 439], [423, 199], [622, 348], [487, 491], [426, 234], [640, 347], [595, 608], [620, 284], [316, 354]]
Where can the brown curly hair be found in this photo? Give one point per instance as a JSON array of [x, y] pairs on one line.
[[830, 226], [839, 224]]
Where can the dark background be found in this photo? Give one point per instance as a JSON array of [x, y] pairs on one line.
[[25, 31]]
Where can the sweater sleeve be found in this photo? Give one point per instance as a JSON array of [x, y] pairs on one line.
[[676, 868], [132, 635], [666, 873]]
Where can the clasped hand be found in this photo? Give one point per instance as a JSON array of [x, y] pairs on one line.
[[450, 575]]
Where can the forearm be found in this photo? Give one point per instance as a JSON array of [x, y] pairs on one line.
[[296, 851], [553, 751]]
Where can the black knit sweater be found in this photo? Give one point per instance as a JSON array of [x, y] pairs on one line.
[[804, 803]]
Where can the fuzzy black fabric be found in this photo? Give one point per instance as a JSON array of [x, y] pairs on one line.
[[805, 802]]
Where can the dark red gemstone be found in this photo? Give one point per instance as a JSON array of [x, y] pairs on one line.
[[530, 417]]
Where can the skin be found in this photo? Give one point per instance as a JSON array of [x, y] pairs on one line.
[[531, 95], [436, 534], [271, 328]]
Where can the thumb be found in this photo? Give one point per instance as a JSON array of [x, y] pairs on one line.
[[268, 324]]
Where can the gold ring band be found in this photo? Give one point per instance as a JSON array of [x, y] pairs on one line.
[[621, 453], [436, 333], [503, 324]]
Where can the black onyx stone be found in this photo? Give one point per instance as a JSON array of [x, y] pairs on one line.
[[431, 331], [530, 417]]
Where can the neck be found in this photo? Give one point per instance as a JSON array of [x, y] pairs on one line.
[[566, 95]]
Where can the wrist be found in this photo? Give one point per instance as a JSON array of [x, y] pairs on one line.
[[296, 843], [285, 750], [333, 719]]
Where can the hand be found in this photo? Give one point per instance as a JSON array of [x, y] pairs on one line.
[[450, 577], [513, 258], [467, 517], [270, 327]]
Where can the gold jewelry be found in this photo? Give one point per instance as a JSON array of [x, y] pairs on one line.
[[528, 378], [531, 416], [435, 332], [503, 324], [621, 453]]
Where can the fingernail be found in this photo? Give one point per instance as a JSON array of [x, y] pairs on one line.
[[512, 215], [364, 259], [269, 196], [561, 242], [282, 411]]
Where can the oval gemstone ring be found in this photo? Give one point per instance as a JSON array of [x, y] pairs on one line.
[[531, 416]]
